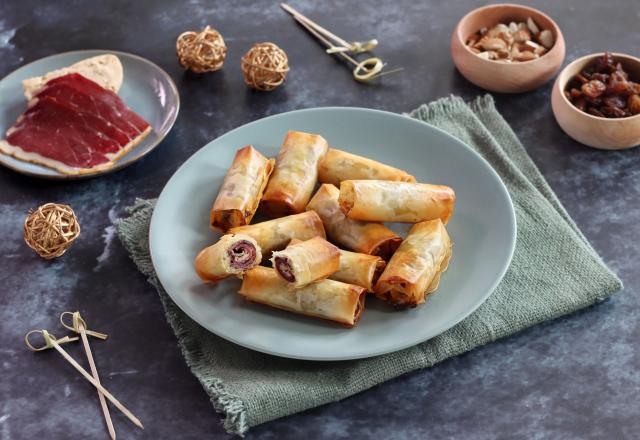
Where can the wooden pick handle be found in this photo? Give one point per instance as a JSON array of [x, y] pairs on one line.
[[96, 384], [79, 326], [94, 372]]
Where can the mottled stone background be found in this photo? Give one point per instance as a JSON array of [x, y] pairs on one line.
[[575, 378]]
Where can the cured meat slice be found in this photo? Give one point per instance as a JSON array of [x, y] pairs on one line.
[[90, 96], [74, 126], [86, 103], [60, 133]]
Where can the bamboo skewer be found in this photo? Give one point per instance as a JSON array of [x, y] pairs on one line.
[[94, 373], [106, 393], [356, 46], [316, 34], [366, 70], [51, 341], [371, 67], [80, 326]]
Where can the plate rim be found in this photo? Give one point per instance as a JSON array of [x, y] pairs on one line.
[[120, 164], [438, 331]]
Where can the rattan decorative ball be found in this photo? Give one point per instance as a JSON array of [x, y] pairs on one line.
[[265, 66], [201, 51], [51, 229]]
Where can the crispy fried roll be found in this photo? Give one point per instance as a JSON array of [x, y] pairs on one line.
[[327, 299], [386, 201], [295, 174], [414, 270], [363, 237], [338, 165], [359, 269], [304, 262], [241, 190], [275, 234], [231, 255]]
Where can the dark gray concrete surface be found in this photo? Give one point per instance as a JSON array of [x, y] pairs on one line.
[[575, 378]]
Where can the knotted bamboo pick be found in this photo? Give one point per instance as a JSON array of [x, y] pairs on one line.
[[364, 71], [80, 326], [355, 47], [50, 341]]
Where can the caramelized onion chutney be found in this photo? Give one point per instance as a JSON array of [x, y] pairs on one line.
[[604, 89]]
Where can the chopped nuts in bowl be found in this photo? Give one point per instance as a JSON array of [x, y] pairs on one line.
[[515, 42], [507, 48]]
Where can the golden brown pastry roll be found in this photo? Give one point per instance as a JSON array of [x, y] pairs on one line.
[[338, 165], [386, 201], [414, 270], [359, 269], [304, 262], [275, 234], [241, 190], [327, 299], [295, 174], [363, 237], [231, 255]]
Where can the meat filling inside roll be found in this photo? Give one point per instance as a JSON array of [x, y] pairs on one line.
[[242, 255], [304, 262], [233, 254], [283, 266], [275, 234]]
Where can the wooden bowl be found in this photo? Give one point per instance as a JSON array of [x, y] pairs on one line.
[[502, 77], [594, 131]]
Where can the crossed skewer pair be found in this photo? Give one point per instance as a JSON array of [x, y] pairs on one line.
[[79, 326], [364, 71]]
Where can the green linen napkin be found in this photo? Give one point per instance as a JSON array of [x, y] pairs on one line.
[[554, 272]]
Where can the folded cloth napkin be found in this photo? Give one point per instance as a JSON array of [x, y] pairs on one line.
[[554, 272]]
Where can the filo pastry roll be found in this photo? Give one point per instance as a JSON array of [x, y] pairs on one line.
[[326, 299], [386, 201], [414, 270], [241, 190], [355, 268], [275, 234], [295, 174], [358, 236], [359, 269], [338, 165], [303, 262], [231, 255]]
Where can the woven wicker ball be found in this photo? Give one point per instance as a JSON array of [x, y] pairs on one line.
[[201, 52], [265, 66], [51, 229]]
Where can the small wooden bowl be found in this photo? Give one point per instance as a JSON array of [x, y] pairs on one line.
[[594, 131], [501, 77]]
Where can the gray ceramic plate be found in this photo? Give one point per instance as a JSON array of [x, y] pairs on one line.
[[483, 230], [146, 88]]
